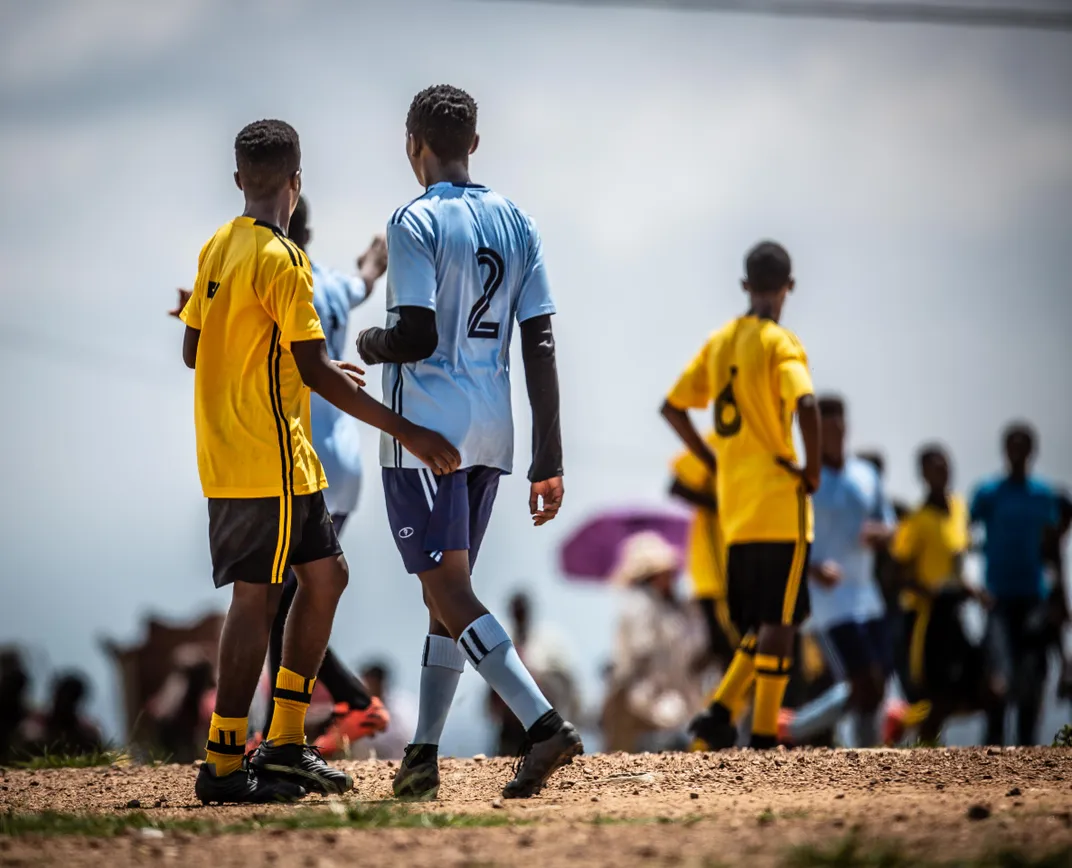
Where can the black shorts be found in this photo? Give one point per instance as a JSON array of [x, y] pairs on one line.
[[255, 539], [942, 663], [766, 583]]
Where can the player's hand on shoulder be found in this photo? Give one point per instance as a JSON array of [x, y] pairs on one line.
[[373, 262], [352, 371], [545, 500], [184, 297], [432, 448]]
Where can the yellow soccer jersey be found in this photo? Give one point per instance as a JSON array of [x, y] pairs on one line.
[[931, 542], [755, 371], [707, 550], [252, 298]]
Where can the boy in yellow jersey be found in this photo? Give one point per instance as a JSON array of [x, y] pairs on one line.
[[256, 346], [694, 483], [942, 670], [756, 373]]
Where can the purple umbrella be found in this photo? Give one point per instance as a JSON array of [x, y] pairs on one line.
[[591, 552]]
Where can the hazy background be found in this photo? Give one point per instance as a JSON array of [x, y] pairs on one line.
[[921, 178]]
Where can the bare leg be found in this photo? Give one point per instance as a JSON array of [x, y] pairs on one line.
[[320, 585], [243, 645]]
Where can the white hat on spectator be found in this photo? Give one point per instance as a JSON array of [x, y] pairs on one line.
[[642, 556]]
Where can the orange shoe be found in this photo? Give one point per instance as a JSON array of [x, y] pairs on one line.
[[785, 724], [894, 726], [352, 724], [254, 742]]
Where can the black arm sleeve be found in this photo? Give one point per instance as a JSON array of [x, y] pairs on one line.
[[413, 338], [541, 377]]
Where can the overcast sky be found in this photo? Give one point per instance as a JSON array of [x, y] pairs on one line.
[[921, 178]]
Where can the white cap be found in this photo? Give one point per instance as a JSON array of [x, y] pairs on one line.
[[642, 556]]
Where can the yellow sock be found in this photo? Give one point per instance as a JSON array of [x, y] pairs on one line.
[[917, 712], [226, 743], [772, 677], [734, 685], [292, 695]]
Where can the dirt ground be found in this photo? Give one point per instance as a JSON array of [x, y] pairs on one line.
[[738, 807]]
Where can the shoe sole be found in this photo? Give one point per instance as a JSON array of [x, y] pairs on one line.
[[313, 783], [564, 759]]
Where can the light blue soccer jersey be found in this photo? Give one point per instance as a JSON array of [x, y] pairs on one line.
[[475, 259], [336, 436], [845, 501]]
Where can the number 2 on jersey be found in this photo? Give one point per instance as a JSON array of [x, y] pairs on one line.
[[479, 327]]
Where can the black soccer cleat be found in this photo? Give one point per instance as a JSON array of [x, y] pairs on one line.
[[542, 759], [417, 778], [713, 731], [243, 786], [301, 764]]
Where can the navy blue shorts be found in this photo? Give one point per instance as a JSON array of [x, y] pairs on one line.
[[855, 648], [432, 514]]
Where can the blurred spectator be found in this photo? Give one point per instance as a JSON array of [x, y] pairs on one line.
[[14, 707], [1017, 512], [943, 671], [64, 729], [402, 706], [544, 654], [659, 648], [183, 706], [1053, 559]]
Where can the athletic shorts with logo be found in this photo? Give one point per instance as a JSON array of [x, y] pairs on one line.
[[256, 539], [432, 514], [766, 585]]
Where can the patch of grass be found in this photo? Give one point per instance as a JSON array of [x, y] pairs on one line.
[[852, 853], [352, 816], [48, 760], [926, 743], [1063, 738]]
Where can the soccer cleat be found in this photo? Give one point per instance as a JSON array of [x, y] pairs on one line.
[[244, 786], [351, 724], [541, 760], [417, 777], [302, 764], [713, 732]]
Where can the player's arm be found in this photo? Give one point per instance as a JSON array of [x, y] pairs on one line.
[[190, 339], [541, 380], [337, 387], [535, 307], [702, 499], [411, 293], [810, 423], [371, 266], [797, 391], [693, 390], [412, 339]]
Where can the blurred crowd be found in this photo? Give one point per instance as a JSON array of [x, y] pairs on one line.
[[892, 567]]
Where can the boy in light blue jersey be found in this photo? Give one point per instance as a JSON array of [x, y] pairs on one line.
[[463, 264], [852, 518]]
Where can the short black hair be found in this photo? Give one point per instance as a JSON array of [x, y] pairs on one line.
[[444, 118], [768, 267], [1020, 429], [832, 405], [267, 154], [299, 222], [932, 450]]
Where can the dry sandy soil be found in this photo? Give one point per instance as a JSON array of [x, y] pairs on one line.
[[927, 806]]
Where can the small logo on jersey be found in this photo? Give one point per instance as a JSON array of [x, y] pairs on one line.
[[212, 287], [405, 533]]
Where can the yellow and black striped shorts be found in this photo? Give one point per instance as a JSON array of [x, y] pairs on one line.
[[767, 583], [256, 539]]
